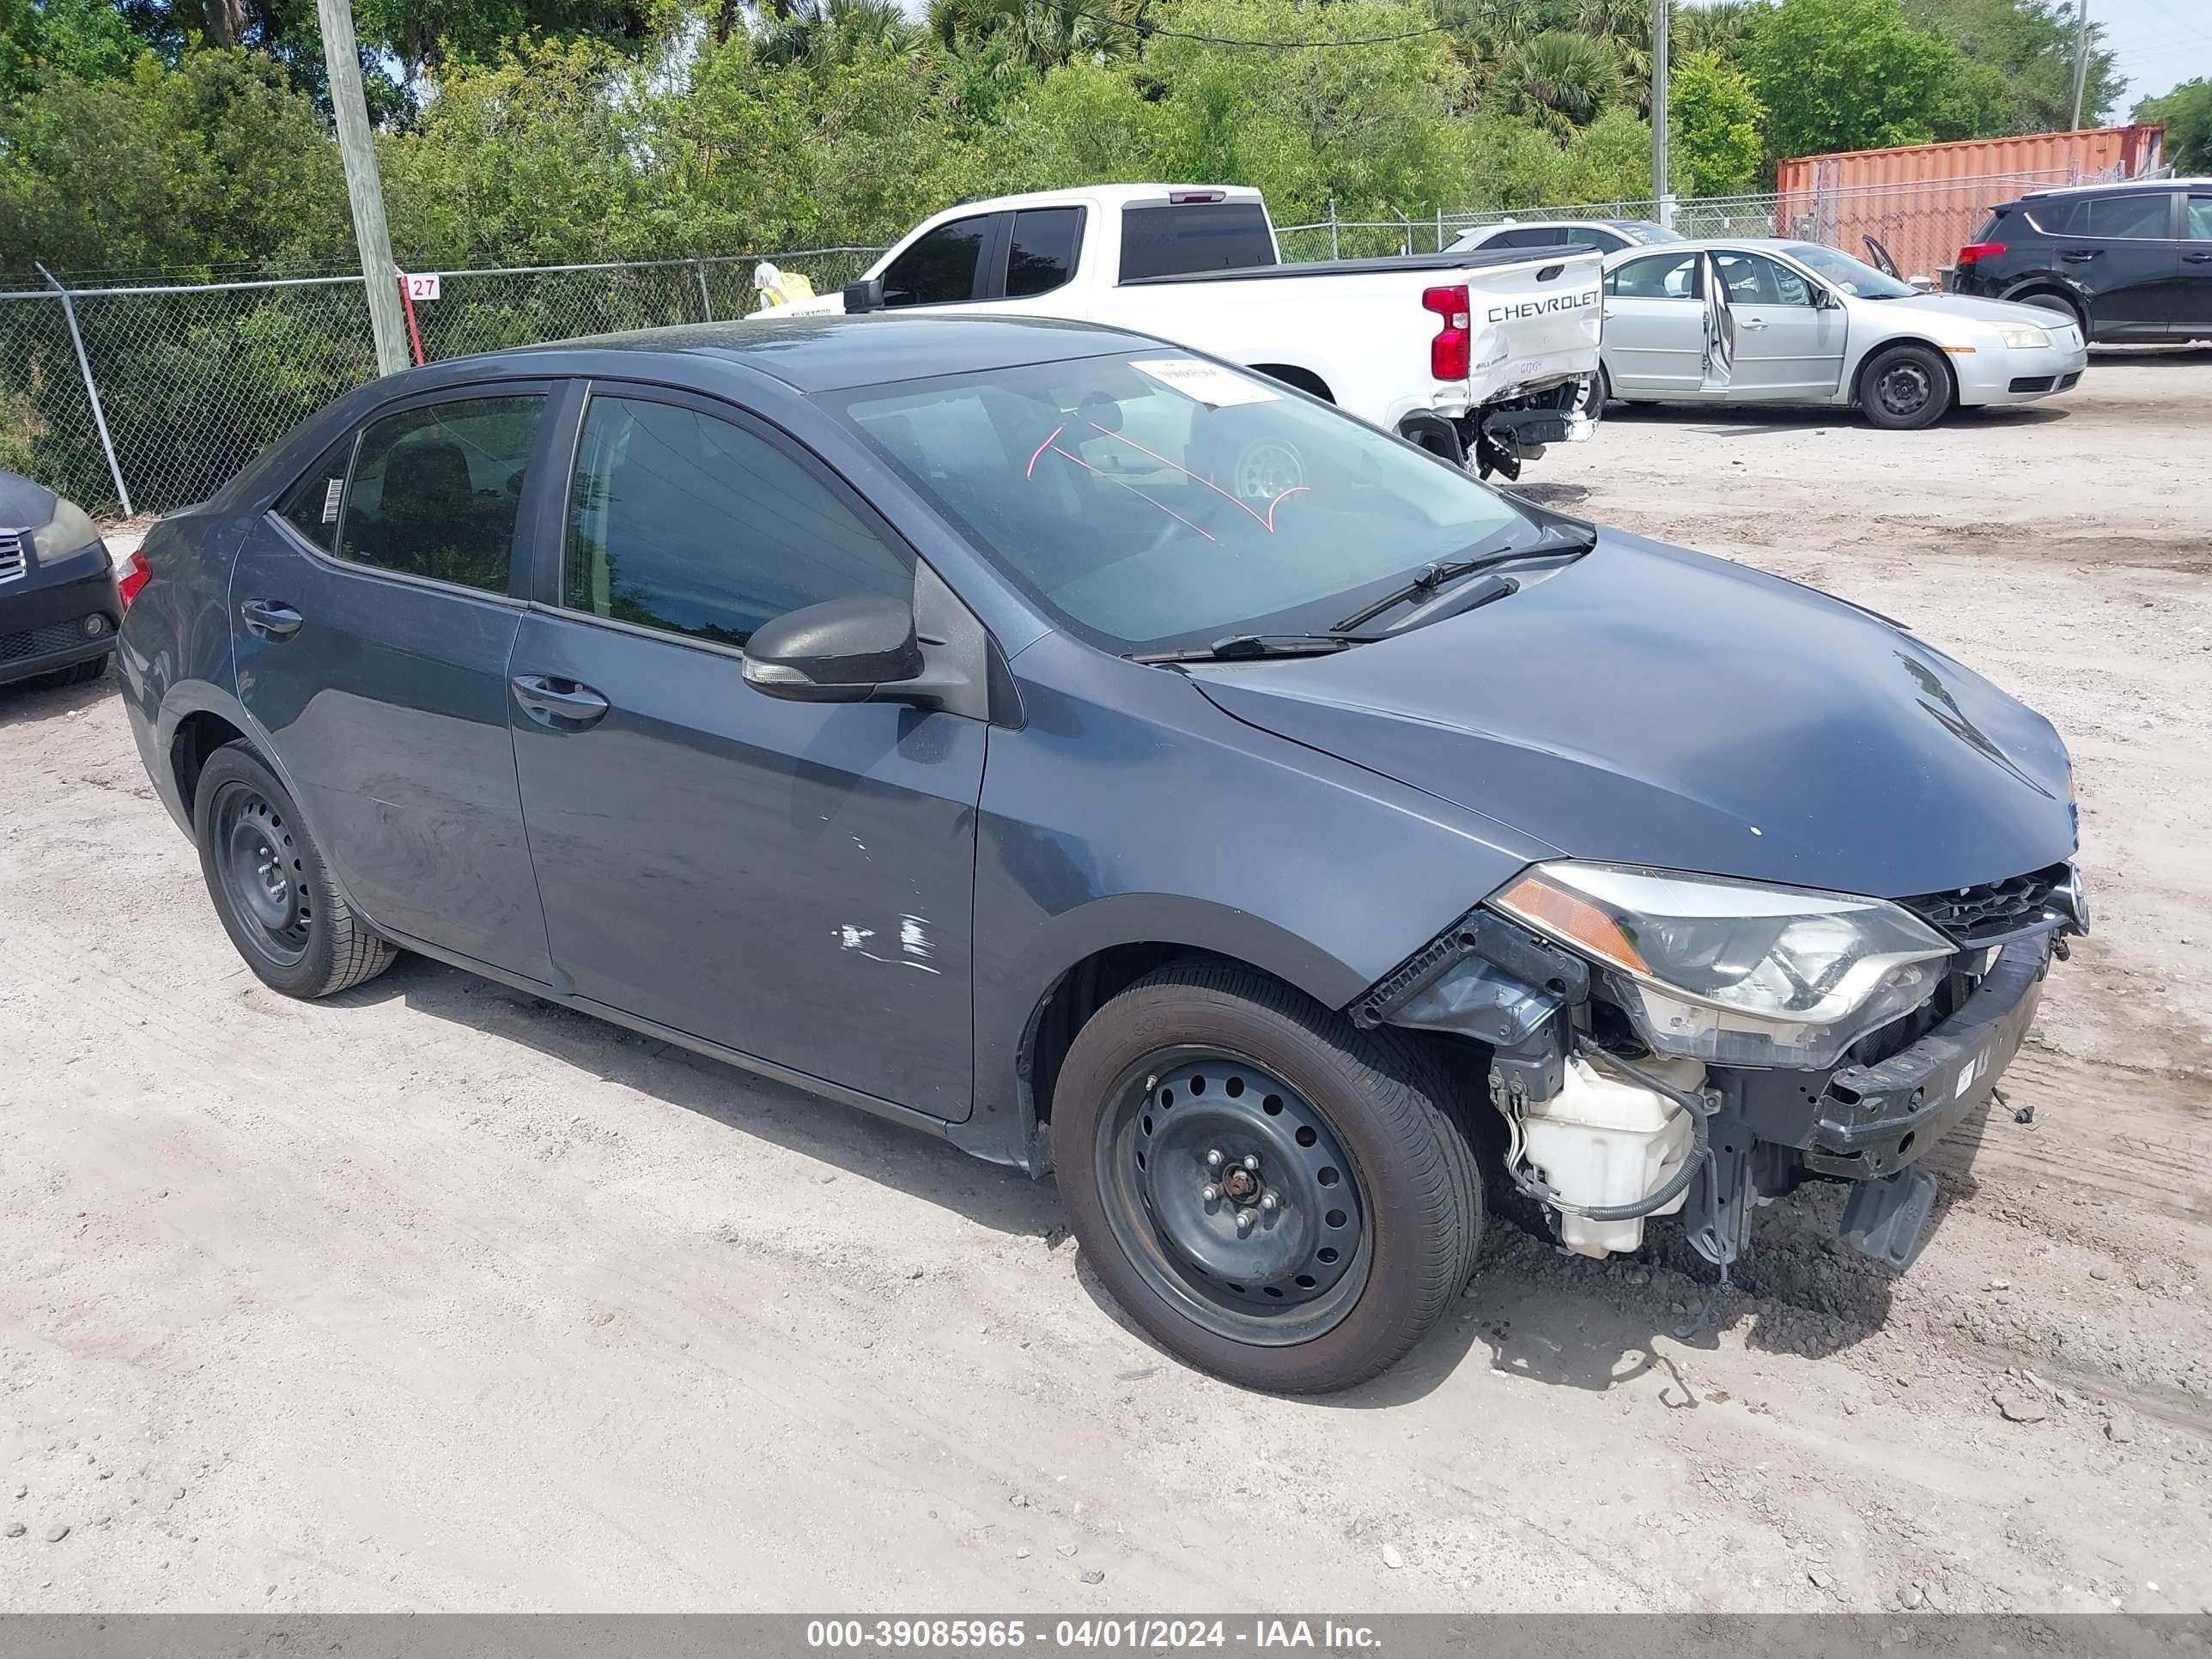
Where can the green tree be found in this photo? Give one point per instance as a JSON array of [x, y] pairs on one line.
[[217, 161], [1715, 127], [43, 39], [2187, 112], [2023, 52], [1839, 75]]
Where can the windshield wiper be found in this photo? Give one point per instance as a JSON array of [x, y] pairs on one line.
[[1567, 537], [1247, 647]]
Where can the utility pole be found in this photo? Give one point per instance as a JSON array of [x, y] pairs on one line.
[[379, 276], [2081, 60], [1662, 197]]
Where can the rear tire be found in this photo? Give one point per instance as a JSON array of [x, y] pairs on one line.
[[2048, 300], [1905, 387], [272, 891], [1353, 1265]]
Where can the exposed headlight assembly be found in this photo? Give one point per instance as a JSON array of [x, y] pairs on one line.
[[70, 531], [1734, 972], [2022, 337]]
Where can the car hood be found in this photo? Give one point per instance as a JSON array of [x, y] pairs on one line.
[[24, 504], [1648, 705], [1967, 308]]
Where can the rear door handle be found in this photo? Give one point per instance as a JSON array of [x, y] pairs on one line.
[[1754, 322], [269, 619], [2198, 259], [2076, 255], [550, 700]]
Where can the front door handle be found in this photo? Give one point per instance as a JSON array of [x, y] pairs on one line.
[[2198, 259], [270, 620], [2076, 255], [550, 700]]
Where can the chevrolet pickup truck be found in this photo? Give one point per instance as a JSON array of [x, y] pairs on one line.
[[1482, 356]]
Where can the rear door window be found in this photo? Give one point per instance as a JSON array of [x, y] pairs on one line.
[[1175, 241], [944, 268], [2136, 218], [1041, 256], [436, 490], [2197, 226], [1655, 276], [311, 505]]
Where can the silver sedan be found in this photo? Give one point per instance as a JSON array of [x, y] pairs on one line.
[[1752, 320]]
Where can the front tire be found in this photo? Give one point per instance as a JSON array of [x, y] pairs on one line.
[[272, 891], [1905, 388], [1164, 1096]]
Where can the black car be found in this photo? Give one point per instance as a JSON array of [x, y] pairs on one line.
[[59, 605], [2131, 263], [1117, 762]]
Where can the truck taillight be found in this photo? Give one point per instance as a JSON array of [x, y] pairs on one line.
[[131, 575], [1451, 351], [1975, 253]]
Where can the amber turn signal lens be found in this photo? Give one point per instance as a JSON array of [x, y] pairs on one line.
[[1571, 919]]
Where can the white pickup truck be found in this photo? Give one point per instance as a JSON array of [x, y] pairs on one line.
[[1483, 356]]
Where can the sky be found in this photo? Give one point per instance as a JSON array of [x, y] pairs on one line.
[[2159, 43]]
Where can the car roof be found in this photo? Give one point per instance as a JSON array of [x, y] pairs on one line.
[[818, 354], [1102, 195], [2114, 184], [1692, 244]]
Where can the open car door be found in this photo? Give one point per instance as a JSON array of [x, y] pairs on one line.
[[1720, 325], [1880, 257]]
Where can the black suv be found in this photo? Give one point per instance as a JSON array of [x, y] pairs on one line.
[[2132, 263]]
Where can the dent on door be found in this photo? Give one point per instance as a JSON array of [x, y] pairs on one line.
[[1720, 326]]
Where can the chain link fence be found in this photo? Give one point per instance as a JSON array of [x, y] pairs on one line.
[[1920, 225], [195, 380]]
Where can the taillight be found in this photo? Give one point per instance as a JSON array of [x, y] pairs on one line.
[[1450, 352], [131, 576], [1974, 252], [1187, 197]]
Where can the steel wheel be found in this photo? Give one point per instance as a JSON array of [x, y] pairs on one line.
[[1233, 1197], [1266, 468], [1904, 388], [263, 874]]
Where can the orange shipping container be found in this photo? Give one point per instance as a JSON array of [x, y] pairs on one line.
[[1921, 202]]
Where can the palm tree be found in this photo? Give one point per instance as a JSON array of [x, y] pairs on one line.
[[836, 31], [1718, 26], [1045, 33], [1625, 25], [1563, 79]]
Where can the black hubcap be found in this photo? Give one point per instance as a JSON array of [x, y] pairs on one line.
[[1232, 1194], [1905, 389], [263, 874]]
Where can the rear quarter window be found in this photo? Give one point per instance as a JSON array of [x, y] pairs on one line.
[[1177, 241]]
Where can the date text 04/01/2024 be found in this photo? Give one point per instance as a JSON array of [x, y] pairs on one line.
[[956, 1634]]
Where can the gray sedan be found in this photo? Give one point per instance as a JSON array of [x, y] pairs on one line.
[[1752, 320]]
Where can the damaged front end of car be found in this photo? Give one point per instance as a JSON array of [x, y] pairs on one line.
[[1662, 1043]]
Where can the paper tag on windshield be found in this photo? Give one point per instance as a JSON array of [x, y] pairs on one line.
[[1210, 383]]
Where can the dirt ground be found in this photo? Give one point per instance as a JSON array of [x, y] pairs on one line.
[[433, 1297]]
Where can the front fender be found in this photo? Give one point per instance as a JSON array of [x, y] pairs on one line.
[[1132, 811]]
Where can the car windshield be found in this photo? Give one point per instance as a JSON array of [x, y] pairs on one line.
[[1854, 277], [1156, 500]]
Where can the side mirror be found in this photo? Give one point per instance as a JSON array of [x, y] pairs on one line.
[[839, 651], [866, 295]]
